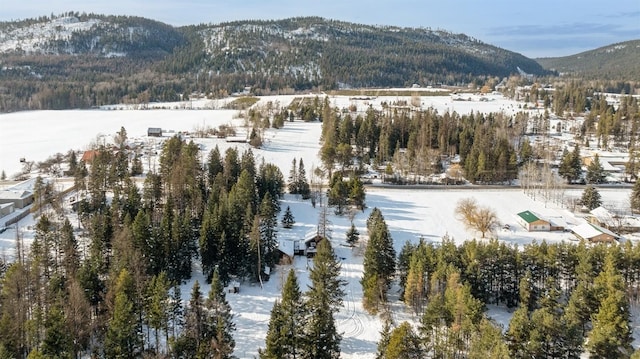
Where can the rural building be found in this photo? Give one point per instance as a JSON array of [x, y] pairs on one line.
[[287, 247], [236, 139], [19, 198], [311, 241], [604, 218], [88, 156], [6, 209], [594, 233], [154, 132], [532, 222]]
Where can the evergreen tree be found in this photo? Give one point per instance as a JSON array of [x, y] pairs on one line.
[[576, 162], [194, 325], [122, 339], [287, 219], [58, 342], [270, 180], [293, 178], [324, 298], [274, 340], [379, 262], [385, 336], [487, 342], [69, 247], [214, 165], [301, 182], [338, 193], [404, 344], [526, 151], [611, 333], [219, 326], [591, 198], [352, 235], [356, 193], [548, 329], [571, 165], [595, 171], [176, 311], [268, 224], [284, 337], [158, 306]]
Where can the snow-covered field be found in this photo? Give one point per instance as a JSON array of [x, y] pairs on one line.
[[36, 135], [409, 213]]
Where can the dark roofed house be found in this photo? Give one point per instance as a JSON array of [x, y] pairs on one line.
[[532, 222], [154, 132], [311, 241]]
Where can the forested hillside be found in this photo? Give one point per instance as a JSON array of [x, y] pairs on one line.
[[82, 60], [619, 62]]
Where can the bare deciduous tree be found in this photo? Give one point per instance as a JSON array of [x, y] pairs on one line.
[[481, 219]]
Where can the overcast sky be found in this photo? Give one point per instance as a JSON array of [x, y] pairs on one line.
[[535, 28]]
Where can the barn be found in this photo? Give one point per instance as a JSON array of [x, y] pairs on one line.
[[594, 233], [532, 222]]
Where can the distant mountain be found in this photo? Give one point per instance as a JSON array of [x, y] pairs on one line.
[[84, 60], [314, 51], [619, 62], [82, 34]]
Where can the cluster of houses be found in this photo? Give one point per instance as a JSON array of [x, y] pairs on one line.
[[595, 229]]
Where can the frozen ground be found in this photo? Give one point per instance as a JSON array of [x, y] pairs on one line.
[[36, 135]]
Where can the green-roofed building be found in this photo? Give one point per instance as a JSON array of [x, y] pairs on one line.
[[532, 222]]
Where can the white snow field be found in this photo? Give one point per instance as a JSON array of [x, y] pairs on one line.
[[411, 214]]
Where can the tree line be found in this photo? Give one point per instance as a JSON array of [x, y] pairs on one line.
[[568, 299], [115, 291]]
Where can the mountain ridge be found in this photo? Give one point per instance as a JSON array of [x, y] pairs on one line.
[[619, 61], [84, 60]]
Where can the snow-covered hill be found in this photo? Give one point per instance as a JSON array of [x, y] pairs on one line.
[[76, 34]]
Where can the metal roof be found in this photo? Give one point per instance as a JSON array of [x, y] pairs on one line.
[[528, 216]]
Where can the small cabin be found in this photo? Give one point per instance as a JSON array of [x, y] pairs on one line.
[[311, 242], [154, 132]]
